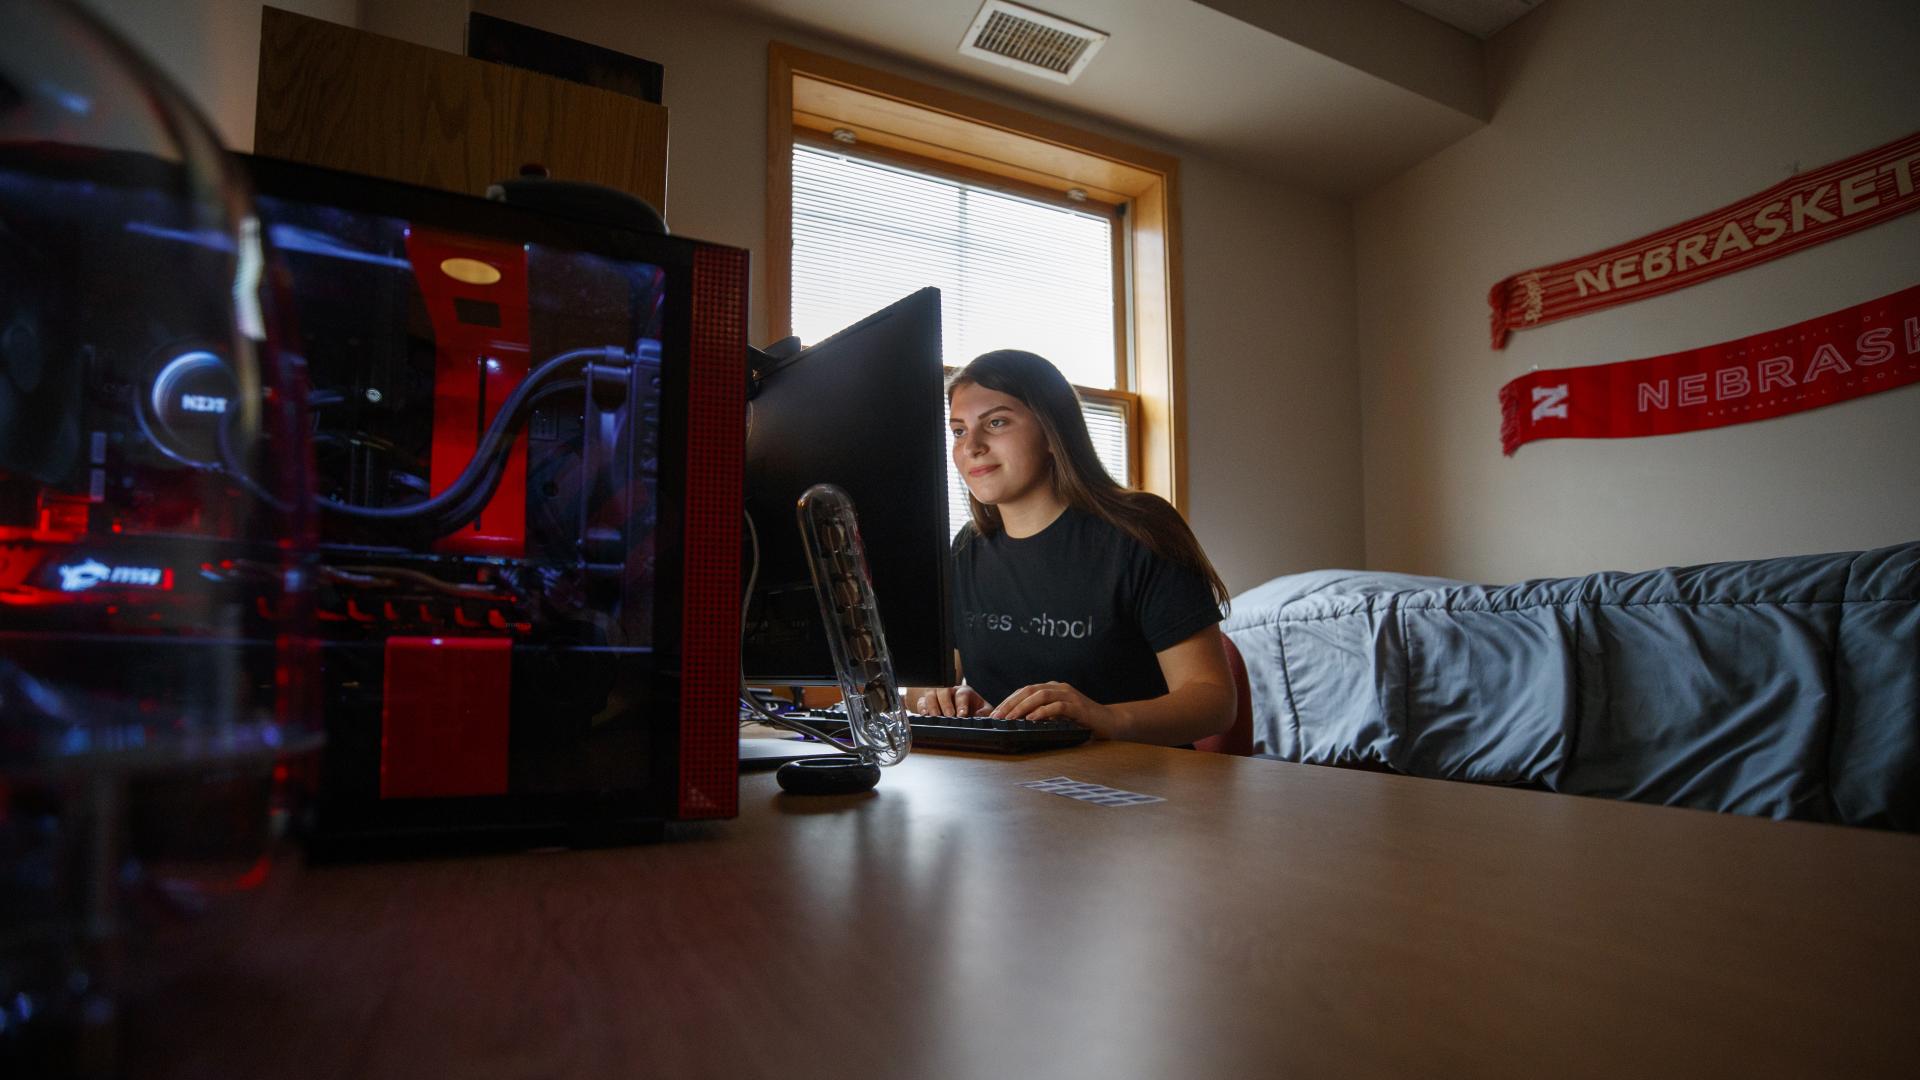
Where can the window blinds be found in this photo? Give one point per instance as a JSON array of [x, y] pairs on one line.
[[1012, 273]]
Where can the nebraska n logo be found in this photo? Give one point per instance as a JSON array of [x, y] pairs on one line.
[[1549, 401]]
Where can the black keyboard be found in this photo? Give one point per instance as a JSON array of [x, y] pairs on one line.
[[981, 733]]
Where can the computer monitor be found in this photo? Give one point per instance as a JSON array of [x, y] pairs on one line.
[[864, 410], [527, 438]]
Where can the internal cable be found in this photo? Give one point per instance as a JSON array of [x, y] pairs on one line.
[[390, 577], [463, 499], [223, 438], [468, 495]]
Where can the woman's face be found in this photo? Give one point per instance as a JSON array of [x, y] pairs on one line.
[[998, 445]]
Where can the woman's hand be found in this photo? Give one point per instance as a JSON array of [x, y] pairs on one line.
[[960, 700], [1057, 700]]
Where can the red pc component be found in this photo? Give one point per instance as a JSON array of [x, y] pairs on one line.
[[476, 296], [62, 518], [443, 727], [710, 751]]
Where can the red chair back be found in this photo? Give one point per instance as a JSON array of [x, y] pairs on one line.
[[1237, 739]]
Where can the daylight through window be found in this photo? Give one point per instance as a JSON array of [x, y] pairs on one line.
[[1012, 273]]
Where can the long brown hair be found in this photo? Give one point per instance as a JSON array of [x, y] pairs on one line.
[[1074, 469]]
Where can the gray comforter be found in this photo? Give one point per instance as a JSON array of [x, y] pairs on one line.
[[1787, 688]]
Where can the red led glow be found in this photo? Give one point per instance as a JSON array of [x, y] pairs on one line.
[[247, 880]]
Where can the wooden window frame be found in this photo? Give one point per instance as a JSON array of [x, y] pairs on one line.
[[975, 178], [1130, 402], [810, 92]]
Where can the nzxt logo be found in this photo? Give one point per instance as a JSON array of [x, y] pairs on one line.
[[203, 403], [83, 576], [1549, 401]]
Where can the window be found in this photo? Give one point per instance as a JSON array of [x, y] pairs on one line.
[[1013, 272], [976, 175]]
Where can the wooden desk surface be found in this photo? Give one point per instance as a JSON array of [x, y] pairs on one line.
[[1267, 919]]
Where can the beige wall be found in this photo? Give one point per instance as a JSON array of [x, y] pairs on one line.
[[1273, 412], [211, 49], [1614, 118]]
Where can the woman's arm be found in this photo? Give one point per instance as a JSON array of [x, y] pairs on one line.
[[1199, 701]]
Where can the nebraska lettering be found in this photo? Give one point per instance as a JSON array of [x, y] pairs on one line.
[[1826, 358], [1767, 220], [1902, 172], [1802, 210], [1874, 346], [1650, 265], [1856, 193], [1774, 372], [1733, 236], [1805, 207]]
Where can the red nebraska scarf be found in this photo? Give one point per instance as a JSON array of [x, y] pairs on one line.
[[1804, 210], [1851, 353]]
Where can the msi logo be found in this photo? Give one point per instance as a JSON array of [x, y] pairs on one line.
[[1549, 401], [80, 577]]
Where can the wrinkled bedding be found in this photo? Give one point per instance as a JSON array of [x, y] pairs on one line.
[[1785, 688]]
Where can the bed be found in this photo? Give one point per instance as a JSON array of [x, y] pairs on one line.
[[1784, 688]]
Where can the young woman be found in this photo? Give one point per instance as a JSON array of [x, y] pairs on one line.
[[1072, 596]]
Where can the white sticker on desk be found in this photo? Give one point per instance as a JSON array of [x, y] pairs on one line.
[[1093, 793]]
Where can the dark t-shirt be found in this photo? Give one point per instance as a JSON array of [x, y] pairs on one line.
[[1079, 602]]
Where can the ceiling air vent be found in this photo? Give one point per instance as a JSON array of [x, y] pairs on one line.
[[1031, 41]]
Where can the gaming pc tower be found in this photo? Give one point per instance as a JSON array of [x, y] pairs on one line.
[[527, 438], [500, 464]]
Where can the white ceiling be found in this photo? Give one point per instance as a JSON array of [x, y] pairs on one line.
[[1481, 18], [1335, 95]]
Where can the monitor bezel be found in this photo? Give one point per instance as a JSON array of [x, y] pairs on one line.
[[832, 424]]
